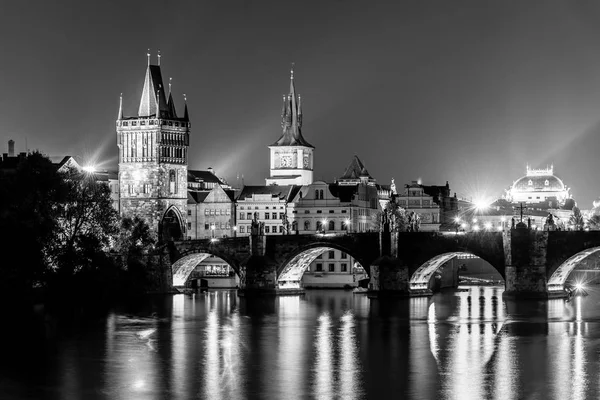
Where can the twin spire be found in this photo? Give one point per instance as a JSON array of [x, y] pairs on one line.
[[291, 118], [153, 102]]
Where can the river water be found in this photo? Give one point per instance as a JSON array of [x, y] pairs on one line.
[[466, 344]]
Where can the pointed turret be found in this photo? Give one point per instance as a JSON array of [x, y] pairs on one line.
[[291, 119], [171, 103], [153, 100], [120, 116], [186, 116]]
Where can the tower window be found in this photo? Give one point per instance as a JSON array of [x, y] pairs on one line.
[[172, 181], [125, 123]]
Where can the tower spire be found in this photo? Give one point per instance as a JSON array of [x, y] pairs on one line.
[[186, 116], [159, 58], [148, 55], [170, 103], [120, 116]]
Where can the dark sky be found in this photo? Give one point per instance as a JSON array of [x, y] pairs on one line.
[[464, 91]]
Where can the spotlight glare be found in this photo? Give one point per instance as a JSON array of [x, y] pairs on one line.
[[89, 169]]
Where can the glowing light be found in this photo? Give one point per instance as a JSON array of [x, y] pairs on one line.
[[579, 286], [481, 204], [235, 228], [324, 221], [347, 222], [213, 240], [474, 220], [89, 169], [500, 229], [488, 225], [476, 228], [463, 225], [534, 226], [457, 220], [503, 219]]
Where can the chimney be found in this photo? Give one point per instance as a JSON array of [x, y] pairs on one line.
[[211, 170], [11, 148]]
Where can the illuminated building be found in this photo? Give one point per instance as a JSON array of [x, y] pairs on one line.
[[539, 186], [153, 158], [291, 154], [211, 213], [269, 203], [416, 200]]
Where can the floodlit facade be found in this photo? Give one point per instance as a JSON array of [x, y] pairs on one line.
[[539, 186]]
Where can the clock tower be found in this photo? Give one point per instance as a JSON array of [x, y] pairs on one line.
[[291, 155]]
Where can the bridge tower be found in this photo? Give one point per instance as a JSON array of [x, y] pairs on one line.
[[153, 159]]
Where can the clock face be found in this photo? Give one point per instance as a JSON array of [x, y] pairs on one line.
[[286, 161], [306, 162]]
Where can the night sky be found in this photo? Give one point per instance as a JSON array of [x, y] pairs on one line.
[[464, 91]]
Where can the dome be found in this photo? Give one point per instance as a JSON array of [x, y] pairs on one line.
[[538, 183]]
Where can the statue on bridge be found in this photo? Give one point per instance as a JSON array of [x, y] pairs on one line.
[[414, 222], [550, 225], [257, 228]]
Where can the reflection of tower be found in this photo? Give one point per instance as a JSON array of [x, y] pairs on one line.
[[153, 159], [291, 154]]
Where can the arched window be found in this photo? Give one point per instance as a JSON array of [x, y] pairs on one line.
[[295, 225], [530, 183], [172, 181], [547, 182], [321, 194], [307, 225], [332, 225], [316, 195], [319, 225]]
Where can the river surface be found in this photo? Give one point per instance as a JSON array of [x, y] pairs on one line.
[[467, 344]]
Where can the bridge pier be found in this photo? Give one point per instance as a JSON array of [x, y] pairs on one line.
[[389, 278]]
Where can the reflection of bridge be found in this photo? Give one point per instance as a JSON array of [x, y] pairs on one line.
[[533, 264]]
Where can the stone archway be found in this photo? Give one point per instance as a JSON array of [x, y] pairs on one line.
[[185, 265], [419, 280], [556, 283], [290, 272], [171, 225]]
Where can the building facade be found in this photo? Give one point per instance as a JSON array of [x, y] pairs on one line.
[[539, 186], [269, 205], [291, 160], [211, 213], [153, 159], [415, 201]]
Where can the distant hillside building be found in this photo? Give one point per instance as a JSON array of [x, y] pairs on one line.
[[291, 155], [153, 159]]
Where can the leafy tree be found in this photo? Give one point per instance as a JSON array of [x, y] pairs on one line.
[[594, 222], [577, 219], [86, 221]]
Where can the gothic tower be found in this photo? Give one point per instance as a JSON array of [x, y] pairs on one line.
[[153, 150], [291, 155]]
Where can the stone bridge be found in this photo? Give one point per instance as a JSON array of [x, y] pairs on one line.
[[533, 263]]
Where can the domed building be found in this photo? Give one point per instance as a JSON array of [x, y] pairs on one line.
[[539, 186]]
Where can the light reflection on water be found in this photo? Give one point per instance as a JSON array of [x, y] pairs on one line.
[[468, 344]]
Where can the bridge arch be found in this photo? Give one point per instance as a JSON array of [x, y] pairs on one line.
[[558, 277], [419, 279], [293, 268], [188, 260]]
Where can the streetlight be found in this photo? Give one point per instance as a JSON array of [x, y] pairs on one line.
[[212, 228], [235, 231], [323, 225], [347, 224], [488, 225]]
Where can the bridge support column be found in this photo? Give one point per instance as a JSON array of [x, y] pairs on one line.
[[388, 278], [525, 254]]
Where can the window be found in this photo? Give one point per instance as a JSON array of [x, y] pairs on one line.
[[228, 212], [426, 203], [130, 189], [307, 225], [189, 225], [189, 212], [344, 211], [306, 211], [241, 228], [530, 183], [242, 207], [332, 225], [344, 255], [321, 194], [319, 225], [227, 226], [212, 211], [331, 267], [331, 254], [295, 226], [206, 226], [344, 267], [248, 215], [546, 182], [319, 267], [316, 195], [172, 181], [280, 229], [267, 215], [241, 215], [319, 212], [206, 211], [267, 229], [280, 215], [274, 215], [146, 188], [331, 211]]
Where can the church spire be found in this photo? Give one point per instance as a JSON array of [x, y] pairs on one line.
[[120, 116]]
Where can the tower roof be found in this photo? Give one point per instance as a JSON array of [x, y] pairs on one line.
[[291, 119], [153, 93], [355, 170]]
